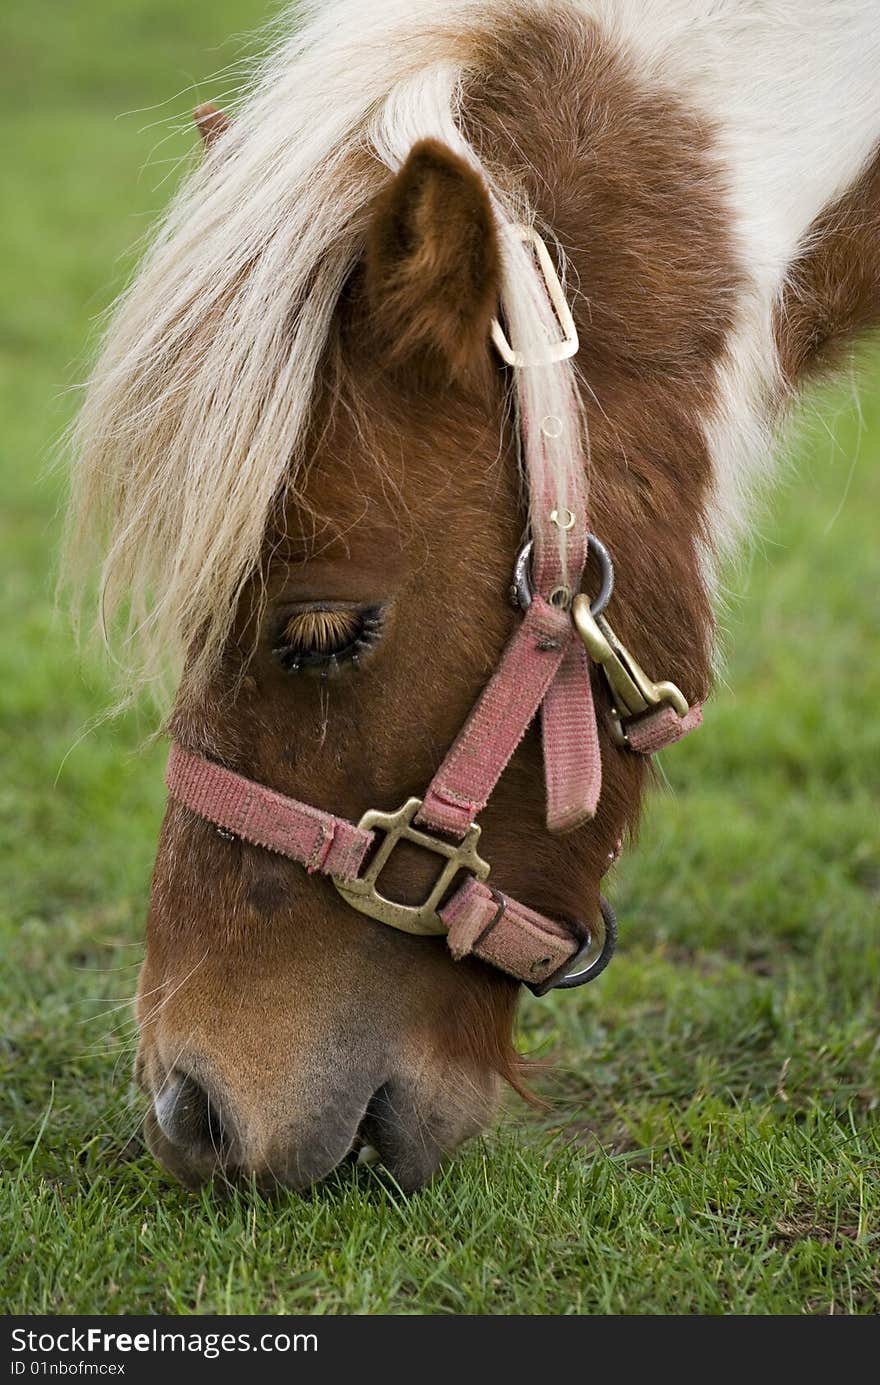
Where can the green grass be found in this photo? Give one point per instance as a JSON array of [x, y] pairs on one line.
[[711, 1143]]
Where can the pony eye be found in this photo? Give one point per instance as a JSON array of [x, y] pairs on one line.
[[319, 639]]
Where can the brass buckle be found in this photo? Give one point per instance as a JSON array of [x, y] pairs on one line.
[[632, 690], [555, 350], [362, 894]]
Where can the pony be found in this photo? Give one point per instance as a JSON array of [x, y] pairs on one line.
[[307, 467]]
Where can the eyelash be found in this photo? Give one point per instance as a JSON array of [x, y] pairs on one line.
[[341, 646]]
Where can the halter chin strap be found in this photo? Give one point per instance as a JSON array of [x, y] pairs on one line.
[[545, 666]]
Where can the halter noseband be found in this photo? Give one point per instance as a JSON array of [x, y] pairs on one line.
[[546, 665]]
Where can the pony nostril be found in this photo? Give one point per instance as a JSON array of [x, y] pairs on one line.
[[401, 1137], [188, 1117]]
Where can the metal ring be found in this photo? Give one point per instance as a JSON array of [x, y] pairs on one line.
[[522, 579], [597, 951]]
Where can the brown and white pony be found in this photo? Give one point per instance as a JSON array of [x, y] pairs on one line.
[[299, 438]]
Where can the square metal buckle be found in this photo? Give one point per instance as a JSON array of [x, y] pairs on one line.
[[552, 351], [362, 894]]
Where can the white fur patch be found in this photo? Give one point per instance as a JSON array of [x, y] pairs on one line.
[[793, 89]]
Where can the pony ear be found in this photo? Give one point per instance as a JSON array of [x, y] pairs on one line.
[[433, 268], [211, 122]]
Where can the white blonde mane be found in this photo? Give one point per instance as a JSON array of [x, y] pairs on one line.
[[196, 412], [195, 415]]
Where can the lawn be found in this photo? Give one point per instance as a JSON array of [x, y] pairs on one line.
[[710, 1142]]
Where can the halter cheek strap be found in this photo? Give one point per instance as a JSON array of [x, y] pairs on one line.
[[530, 666]]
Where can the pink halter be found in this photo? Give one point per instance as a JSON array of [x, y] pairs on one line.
[[546, 665]]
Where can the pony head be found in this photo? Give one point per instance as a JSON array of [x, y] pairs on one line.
[[299, 454]]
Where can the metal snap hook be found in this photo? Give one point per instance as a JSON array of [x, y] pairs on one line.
[[522, 584]]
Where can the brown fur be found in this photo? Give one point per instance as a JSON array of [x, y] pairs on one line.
[[433, 268], [211, 122], [832, 292], [297, 1005]]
